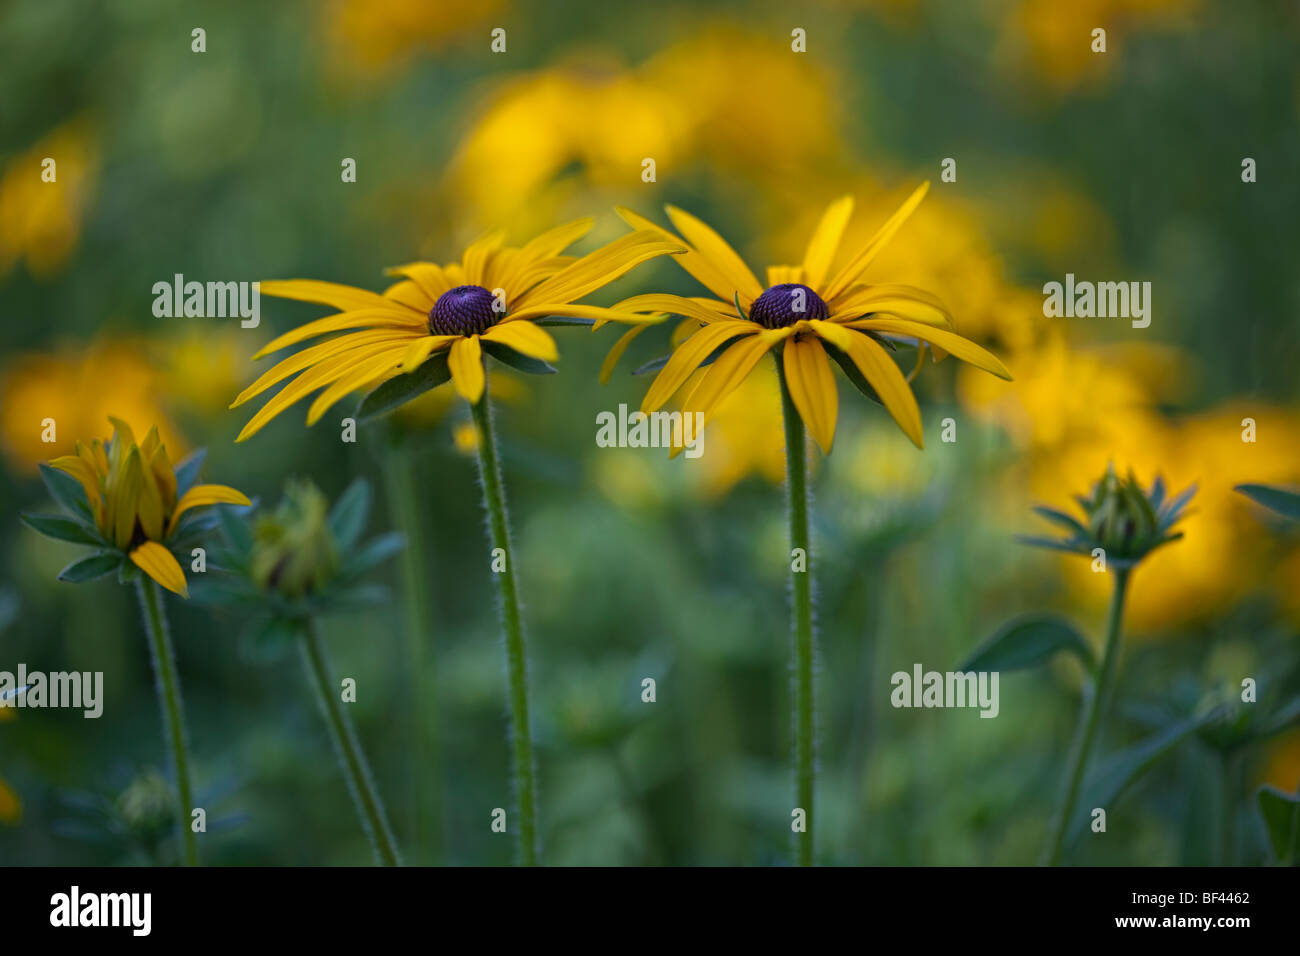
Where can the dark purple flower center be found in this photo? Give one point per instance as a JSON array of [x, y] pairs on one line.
[[786, 304], [464, 310]]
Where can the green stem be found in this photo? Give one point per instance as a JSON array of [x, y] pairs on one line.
[[173, 714], [494, 500], [408, 513], [351, 760], [1095, 701], [805, 734]]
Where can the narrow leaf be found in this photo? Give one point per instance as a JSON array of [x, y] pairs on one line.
[[522, 363], [348, 517], [63, 528], [1284, 501], [67, 491], [87, 569], [1028, 642], [402, 388]]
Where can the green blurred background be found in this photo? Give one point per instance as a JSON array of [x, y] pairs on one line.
[[225, 165]]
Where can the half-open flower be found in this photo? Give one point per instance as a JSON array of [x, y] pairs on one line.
[[128, 501], [439, 320]]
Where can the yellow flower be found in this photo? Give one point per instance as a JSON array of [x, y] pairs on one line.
[[77, 390], [136, 500], [42, 218], [807, 312], [496, 300]]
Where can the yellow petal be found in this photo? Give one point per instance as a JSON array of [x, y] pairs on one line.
[[150, 506], [599, 268], [466, 363], [812, 388], [370, 372], [616, 352], [599, 313], [77, 468], [201, 495], [126, 496], [880, 371], [526, 338], [545, 246], [951, 342], [315, 354], [688, 357], [900, 300], [391, 316], [826, 241], [705, 272], [122, 432], [318, 376], [344, 297], [714, 248], [684, 330], [850, 273], [408, 293], [431, 279], [731, 368], [165, 476], [678, 305], [476, 256], [418, 351], [161, 565]]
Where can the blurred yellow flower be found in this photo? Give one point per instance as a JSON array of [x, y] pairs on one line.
[[378, 36], [78, 390], [42, 220]]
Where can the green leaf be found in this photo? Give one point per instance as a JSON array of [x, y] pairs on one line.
[[516, 360], [374, 552], [1112, 777], [268, 639], [87, 569], [1284, 501], [562, 320], [852, 372], [236, 530], [1054, 544], [348, 517], [1281, 813], [402, 388], [1028, 642], [63, 528], [187, 472], [1061, 518], [67, 491]]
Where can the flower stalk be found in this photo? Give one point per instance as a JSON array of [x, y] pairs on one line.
[[521, 740], [1093, 706], [351, 760], [173, 715], [796, 457]]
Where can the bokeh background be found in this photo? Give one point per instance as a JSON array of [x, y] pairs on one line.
[[225, 165]]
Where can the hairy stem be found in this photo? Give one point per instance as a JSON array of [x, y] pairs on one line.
[[494, 500], [351, 760], [805, 734], [1094, 704], [173, 712]]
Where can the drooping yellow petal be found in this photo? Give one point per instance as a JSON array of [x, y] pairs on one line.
[[318, 376], [344, 297], [201, 495], [161, 565], [826, 241], [683, 331], [391, 316], [950, 342], [880, 371], [525, 338], [466, 363], [616, 352], [731, 368], [370, 372], [315, 354], [855, 266], [599, 268], [687, 358], [812, 388], [419, 350], [713, 247]]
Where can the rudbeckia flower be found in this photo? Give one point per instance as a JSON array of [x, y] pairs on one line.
[[495, 300], [807, 313], [128, 501]]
